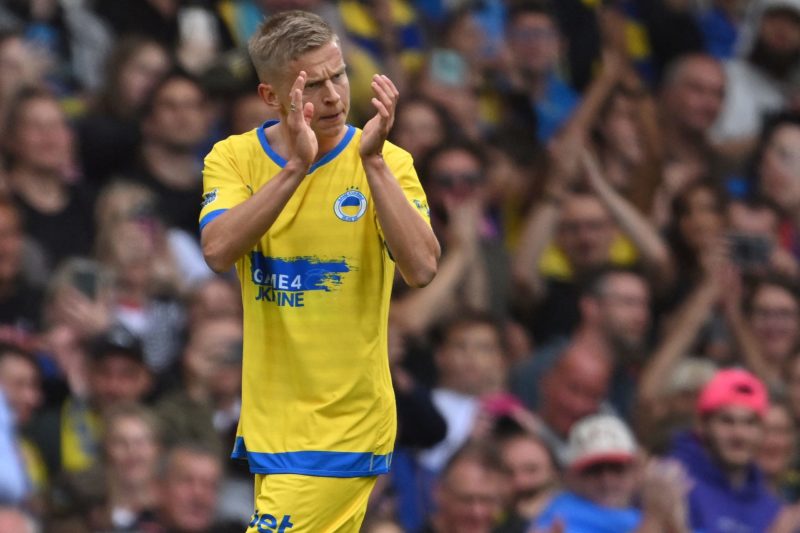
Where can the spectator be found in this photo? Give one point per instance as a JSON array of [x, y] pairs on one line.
[[204, 406], [469, 494], [573, 388], [109, 132], [216, 297], [534, 476], [756, 81], [570, 234], [175, 124], [470, 367], [21, 384], [39, 145], [120, 492], [421, 124], [728, 489], [190, 483], [20, 67], [14, 483], [691, 97], [602, 484], [777, 456], [721, 24], [20, 300], [69, 436], [538, 96], [470, 275], [614, 309]]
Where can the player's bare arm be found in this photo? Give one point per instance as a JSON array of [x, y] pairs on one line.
[[410, 239], [236, 231]]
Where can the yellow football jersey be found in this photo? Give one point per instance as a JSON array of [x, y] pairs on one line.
[[317, 396]]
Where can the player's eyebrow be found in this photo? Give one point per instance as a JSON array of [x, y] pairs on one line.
[[340, 70]]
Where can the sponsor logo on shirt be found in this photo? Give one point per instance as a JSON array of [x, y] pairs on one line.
[[284, 281]]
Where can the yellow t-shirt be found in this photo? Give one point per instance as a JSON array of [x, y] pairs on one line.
[[317, 396]]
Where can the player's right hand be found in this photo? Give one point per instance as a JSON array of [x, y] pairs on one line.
[[303, 141]]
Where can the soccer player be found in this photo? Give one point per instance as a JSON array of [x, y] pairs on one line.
[[315, 214]]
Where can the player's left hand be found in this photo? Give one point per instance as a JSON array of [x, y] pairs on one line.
[[378, 127]]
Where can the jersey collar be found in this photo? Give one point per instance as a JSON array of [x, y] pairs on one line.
[[281, 162]]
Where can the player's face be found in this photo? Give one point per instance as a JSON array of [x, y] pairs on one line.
[[327, 87]]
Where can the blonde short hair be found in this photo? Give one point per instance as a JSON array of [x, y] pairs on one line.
[[284, 37]]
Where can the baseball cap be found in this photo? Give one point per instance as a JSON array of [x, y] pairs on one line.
[[733, 387], [117, 340], [600, 439]]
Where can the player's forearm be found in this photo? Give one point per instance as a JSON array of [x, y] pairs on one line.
[[231, 235], [410, 239]]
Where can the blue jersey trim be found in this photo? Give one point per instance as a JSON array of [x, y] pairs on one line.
[[327, 158], [314, 463], [211, 215]]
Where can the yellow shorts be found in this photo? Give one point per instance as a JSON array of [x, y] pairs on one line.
[[292, 503]]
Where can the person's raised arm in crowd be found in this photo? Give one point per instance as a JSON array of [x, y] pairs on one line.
[[654, 251], [541, 224]]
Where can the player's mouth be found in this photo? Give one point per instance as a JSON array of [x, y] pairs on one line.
[[331, 118]]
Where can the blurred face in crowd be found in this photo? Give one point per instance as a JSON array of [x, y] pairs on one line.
[[455, 175], [530, 467], [471, 359], [694, 95], [132, 450], [417, 128], [248, 112], [535, 44], [214, 356], [575, 387], [10, 244], [179, 118], [190, 489], [775, 319], [777, 451], [702, 220], [608, 484], [624, 310], [586, 232], [780, 31], [620, 130], [733, 435], [42, 139], [215, 298], [469, 498], [21, 385], [115, 379], [779, 170], [140, 74]]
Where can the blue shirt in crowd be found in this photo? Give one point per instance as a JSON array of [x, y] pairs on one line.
[[580, 515]]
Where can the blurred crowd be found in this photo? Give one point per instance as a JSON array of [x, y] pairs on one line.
[[612, 342]]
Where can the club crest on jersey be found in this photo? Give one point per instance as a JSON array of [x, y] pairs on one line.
[[350, 206]]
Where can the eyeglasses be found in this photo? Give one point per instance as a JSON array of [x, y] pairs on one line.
[[449, 180]]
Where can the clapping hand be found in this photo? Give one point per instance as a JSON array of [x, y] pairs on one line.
[[378, 127], [303, 142]]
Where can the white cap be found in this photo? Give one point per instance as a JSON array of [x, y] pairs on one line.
[[600, 438]]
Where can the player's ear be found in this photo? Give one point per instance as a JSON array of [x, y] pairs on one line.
[[269, 95]]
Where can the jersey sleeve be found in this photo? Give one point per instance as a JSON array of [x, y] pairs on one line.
[[402, 166], [224, 186]]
